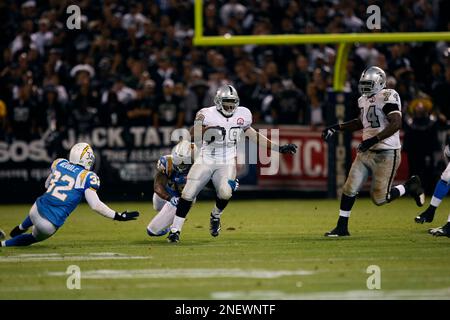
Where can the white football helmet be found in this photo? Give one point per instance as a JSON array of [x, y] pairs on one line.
[[372, 80], [82, 155], [226, 100], [183, 155]]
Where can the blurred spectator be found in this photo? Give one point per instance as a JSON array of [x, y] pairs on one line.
[[22, 114], [169, 111], [198, 97], [289, 106], [140, 113], [421, 140]]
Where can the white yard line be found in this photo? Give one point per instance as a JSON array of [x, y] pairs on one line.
[[336, 295], [69, 257], [186, 273]]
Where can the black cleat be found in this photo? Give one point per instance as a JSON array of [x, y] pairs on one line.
[[174, 236], [214, 226], [2, 235], [443, 231], [16, 231], [337, 232], [414, 188], [426, 216]]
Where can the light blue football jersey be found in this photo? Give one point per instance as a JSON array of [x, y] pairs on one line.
[[66, 190], [176, 180]]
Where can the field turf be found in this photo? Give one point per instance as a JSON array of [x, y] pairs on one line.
[[268, 249]]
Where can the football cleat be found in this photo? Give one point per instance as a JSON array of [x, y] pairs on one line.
[[426, 216], [16, 231], [174, 236], [414, 188], [2, 235], [214, 226], [443, 231], [337, 232]]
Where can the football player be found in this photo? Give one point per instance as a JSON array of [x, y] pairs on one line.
[[221, 125], [379, 152], [440, 191], [170, 178], [69, 181]]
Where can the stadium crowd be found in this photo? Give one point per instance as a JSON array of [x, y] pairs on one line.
[[133, 63]]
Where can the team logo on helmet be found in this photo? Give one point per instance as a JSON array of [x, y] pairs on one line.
[[240, 121]]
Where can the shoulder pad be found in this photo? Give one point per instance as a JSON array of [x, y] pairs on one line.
[[56, 162]]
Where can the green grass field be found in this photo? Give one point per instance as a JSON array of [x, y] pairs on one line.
[[267, 250]]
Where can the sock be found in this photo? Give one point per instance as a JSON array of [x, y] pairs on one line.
[[342, 222], [177, 223], [25, 224], [397, 192], [20, 240], [441, 190], [435, 202], [221, 204], [216, 212], [347, 203], [183, 208]]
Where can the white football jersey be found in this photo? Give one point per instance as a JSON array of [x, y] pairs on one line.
[[223, 149], [374, 112]]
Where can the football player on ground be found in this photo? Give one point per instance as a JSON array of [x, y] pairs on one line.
[[66, 185], [440, 191], [217, 160], [170, 178], [379, 152]]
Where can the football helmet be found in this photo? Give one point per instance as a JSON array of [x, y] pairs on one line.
[[372, 80], [82, 155], [183, 156], [226, 100]]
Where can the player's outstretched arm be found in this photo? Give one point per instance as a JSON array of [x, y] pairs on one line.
[[352, 125], [98, 206], [395, 124], [256, 137]]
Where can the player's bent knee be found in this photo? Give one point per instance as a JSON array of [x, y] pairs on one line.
[[154, 232], [446, 176], [348, 191], [379, 200], [224, 193]]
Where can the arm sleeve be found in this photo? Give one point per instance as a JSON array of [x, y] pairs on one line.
[[97, 205]]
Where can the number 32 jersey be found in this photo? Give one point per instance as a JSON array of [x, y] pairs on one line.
[[374, 116], [231, 129], [66, 190]]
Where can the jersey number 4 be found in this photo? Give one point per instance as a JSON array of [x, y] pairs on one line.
[[58, 191], [372, 117]]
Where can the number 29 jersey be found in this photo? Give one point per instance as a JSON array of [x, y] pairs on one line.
[[66, 190], [231, 128], [374, 116]]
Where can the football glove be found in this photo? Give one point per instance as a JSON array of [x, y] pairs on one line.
[[234, 184], [174, 201], [328, 132], [126, 216], [367, 144], [288, 148]]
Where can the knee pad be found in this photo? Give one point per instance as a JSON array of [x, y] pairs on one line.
[[224, 192], [379, 199], [347, 190]]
